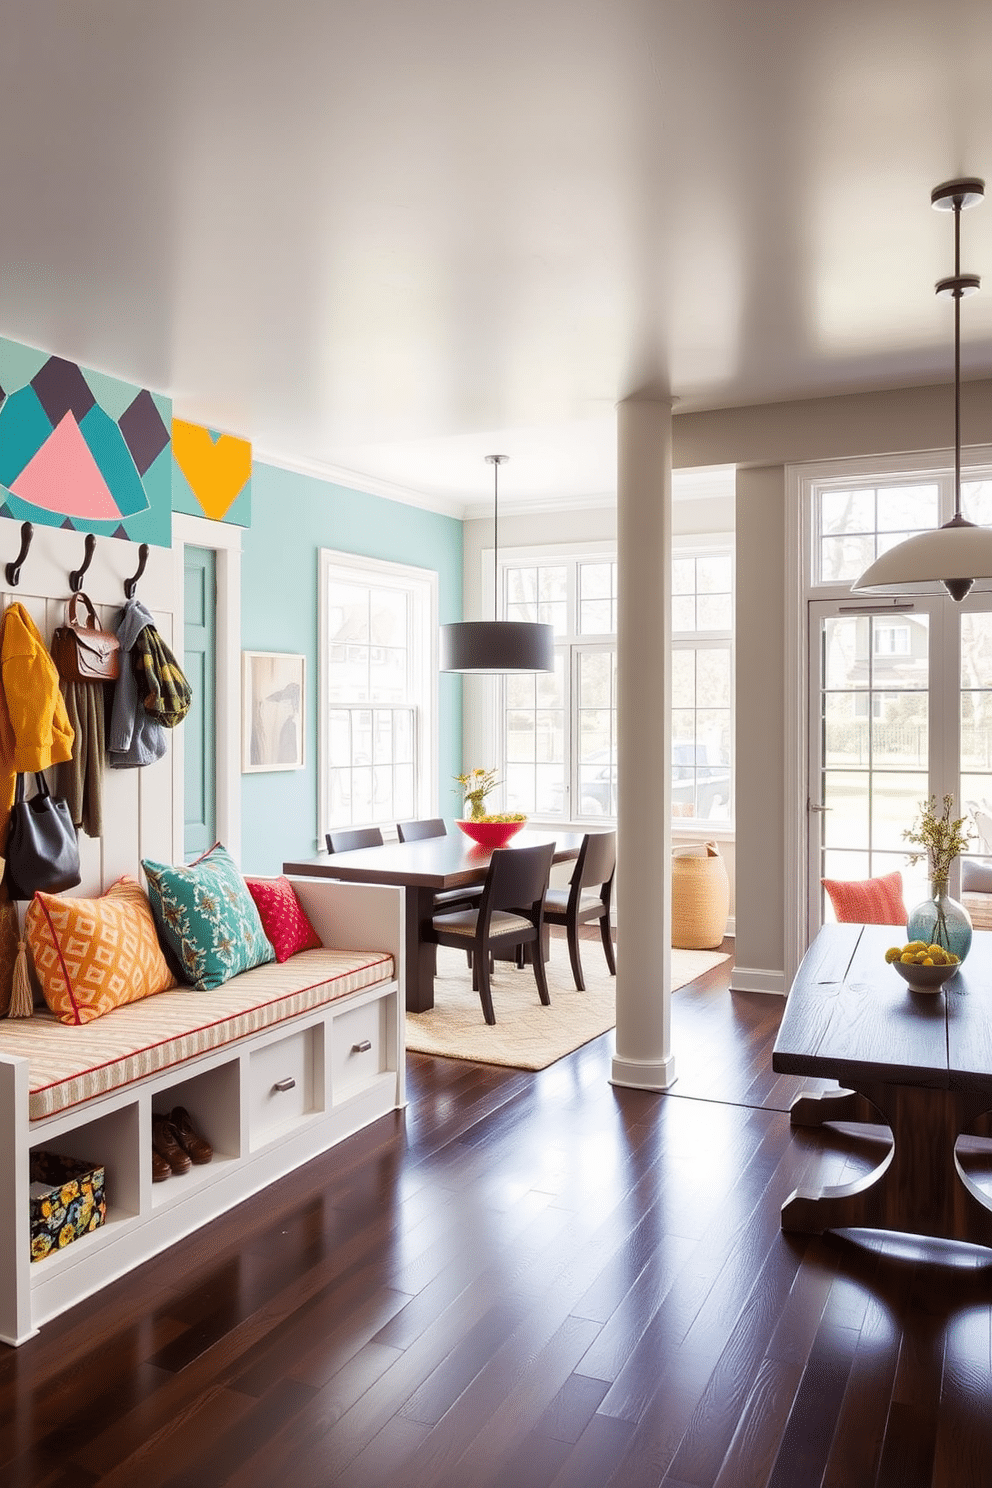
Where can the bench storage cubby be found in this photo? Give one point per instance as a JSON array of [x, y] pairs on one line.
[[319, 1065]]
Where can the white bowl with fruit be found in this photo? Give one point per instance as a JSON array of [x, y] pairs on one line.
[[925, 967]]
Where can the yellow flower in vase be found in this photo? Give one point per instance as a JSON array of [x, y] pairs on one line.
[[476, 786]]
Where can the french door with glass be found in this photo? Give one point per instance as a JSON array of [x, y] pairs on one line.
[[883, 736]]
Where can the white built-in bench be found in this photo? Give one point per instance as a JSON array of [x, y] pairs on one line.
[[276, 1066]]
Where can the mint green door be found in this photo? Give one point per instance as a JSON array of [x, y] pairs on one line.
[[200, 725]]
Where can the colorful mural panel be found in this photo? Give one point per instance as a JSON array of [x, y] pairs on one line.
[[213, 474], [81, 450]]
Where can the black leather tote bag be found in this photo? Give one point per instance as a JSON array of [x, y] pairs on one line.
[[42, 848]]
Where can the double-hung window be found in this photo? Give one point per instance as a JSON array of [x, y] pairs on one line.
[[702, 682], [378, 691], [559, 729]]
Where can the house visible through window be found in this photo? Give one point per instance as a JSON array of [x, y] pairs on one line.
[[377, 691], [559, 737], [891, 640]]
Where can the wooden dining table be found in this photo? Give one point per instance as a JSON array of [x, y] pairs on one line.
[[921, 1063], [423, 869]]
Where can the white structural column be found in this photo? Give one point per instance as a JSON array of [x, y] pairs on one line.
[[644, 912]]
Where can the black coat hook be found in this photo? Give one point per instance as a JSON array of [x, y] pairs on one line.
[[131, 584], [13, 570], [76, 577]]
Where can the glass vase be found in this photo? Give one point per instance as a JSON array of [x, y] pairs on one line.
[[941, 920]]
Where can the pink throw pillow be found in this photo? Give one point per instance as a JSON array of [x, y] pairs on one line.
[[283, 918], [867, 901]]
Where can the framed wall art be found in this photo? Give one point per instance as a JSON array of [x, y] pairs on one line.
[[272, 710]]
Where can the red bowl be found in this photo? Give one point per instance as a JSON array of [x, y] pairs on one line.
[[491, 834]]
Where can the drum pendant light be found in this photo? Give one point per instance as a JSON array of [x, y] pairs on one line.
[[497, 645], [960, 552]]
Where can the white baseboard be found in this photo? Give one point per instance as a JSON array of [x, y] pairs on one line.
[[747, 979]]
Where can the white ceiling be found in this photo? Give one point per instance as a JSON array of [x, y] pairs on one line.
[[392, 236]]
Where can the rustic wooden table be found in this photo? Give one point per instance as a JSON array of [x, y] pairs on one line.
[[422, 869], [919, 1062]]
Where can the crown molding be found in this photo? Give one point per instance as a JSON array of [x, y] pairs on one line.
[[687, 485], [523, 506], [366, 485]]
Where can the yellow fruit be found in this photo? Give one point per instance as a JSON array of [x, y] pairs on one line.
[[907, 958], [893, 954], [927, 961], [953, 960], [917, 945]]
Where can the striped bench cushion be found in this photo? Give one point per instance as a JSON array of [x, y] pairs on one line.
[[74, 1064]]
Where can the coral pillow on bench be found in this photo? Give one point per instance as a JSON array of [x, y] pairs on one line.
[[867, 901], [283, 917]]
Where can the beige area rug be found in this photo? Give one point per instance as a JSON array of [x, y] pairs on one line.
[[527, 1035]]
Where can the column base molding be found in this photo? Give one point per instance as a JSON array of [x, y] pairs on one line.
[[643, 1074], [748, 979]]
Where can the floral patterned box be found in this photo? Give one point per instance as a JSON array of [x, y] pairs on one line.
[[67, 1200]]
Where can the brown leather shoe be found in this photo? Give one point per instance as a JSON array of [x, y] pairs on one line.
[[190, 1140], [160, 1168], [166, 1144]]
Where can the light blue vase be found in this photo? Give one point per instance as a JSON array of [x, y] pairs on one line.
[[941, 920]]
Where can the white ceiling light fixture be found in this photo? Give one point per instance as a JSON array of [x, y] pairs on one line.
[[497, 645], [960, 552]]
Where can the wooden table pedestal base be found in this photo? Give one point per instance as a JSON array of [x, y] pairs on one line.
[[919, 1187]]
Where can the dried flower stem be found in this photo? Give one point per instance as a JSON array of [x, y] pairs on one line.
[[940, 839]]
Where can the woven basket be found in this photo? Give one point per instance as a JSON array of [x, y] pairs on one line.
[[700, 897]]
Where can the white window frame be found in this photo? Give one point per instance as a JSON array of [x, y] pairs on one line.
[[803, 484], [700, 546], [382, 573], [549, 554]]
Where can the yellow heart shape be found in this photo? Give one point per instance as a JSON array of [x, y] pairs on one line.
[[217, 471]]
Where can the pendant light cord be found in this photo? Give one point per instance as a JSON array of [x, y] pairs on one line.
[[496, 538], [958, 295], [496, 461]]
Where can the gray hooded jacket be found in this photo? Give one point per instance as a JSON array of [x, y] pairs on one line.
[[134, 738]]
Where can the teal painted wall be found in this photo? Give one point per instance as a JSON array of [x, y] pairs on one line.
[[292, 517]]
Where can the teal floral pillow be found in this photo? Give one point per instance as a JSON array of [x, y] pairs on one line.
[[207, 919]]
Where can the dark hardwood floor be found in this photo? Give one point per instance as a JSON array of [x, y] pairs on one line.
[[533, 1280]]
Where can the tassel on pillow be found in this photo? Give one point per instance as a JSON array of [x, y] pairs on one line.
[[21, 997]]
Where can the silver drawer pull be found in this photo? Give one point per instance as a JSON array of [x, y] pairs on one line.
[[288, 1084], [362, 1048]]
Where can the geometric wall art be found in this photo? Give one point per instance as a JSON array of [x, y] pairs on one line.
[[82, 450], [212, 476]]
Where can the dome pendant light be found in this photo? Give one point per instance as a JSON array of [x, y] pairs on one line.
[[497, 645], [960, 552]]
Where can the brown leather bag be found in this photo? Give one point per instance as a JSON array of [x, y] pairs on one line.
[[85, 653]]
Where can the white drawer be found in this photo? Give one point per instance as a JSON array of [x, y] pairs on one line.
[[357, 1049], [283, 1084]]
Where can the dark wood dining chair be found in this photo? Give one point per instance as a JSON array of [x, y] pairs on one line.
[[587, 899], [447, 899], [347, 841], [417, 831], [510, 914]]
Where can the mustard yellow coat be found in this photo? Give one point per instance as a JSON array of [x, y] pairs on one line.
[[35, 731]]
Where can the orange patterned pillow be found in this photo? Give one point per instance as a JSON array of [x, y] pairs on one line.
[[868, 901], [93, 955]]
